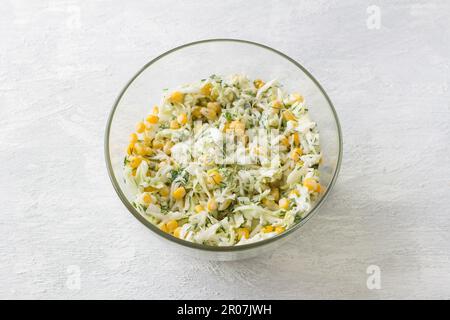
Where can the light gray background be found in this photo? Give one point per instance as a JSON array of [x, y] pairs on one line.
[[62, 64]]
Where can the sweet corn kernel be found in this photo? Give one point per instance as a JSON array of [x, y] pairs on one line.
[[284, 203], [147, 140], [155, 110], [135, 162], [146, 198], [258, 83], [199, 208], [133, 138], [270, 204], [172, 225], [174, 124], [196, 112], [243, 232], [277, 104], [130, 148], [163, 227], [279, 229], [297, 97], [164, 191], [214, 178], [214, 106], [176, 97], [157, 144], [140, 127], [238, 127], [294, 193], [179, 193], [296, 153], [226, 127], [153, 119], [267, 229], [140, 149], [182, 119], [211, 205], [285, 141], [311, 184], [177, 232], [288, 115], [210, 114], [206, 89], [168, 147], [296, 138], [275, 192]]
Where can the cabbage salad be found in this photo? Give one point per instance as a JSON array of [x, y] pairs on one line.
[[225, 161]]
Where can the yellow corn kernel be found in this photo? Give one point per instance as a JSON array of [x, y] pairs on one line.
[[148, 151], [206, 89], [296, 138], [168, 147], [179, 193], [146, 198], [258, 83], [297, 97], [319, 188], [275, 192], [130, 148], [182, 119], [311, 184], [176, 97], [177, 232], [294, 193], [238, 127], [172, 225], [288, 115], [133, 138], [284, 203], [243, 232], [267, 229], [155, 110], [147, 140], [279, 229], [285, 141], [174, 124], [277, 104], [196, 112], [157, 144], [214, 178], [214, 106], [296, 153], [163, 227], [199, 208], [270, 204], [139, 149], [135, 162], [164, 191], [211, 205], [210, 114], [153, 119], [140, 127], [226, 127], [149, 189]]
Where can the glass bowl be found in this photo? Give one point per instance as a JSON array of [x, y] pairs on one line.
[[192, 62]]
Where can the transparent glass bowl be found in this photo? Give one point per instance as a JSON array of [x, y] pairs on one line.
[[192, 62]]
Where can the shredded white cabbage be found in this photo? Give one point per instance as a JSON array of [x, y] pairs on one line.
[[225, 161]]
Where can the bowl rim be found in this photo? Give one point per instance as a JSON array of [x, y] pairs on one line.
[[192, 245]]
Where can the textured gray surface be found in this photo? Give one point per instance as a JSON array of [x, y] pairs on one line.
[[62, 63]]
